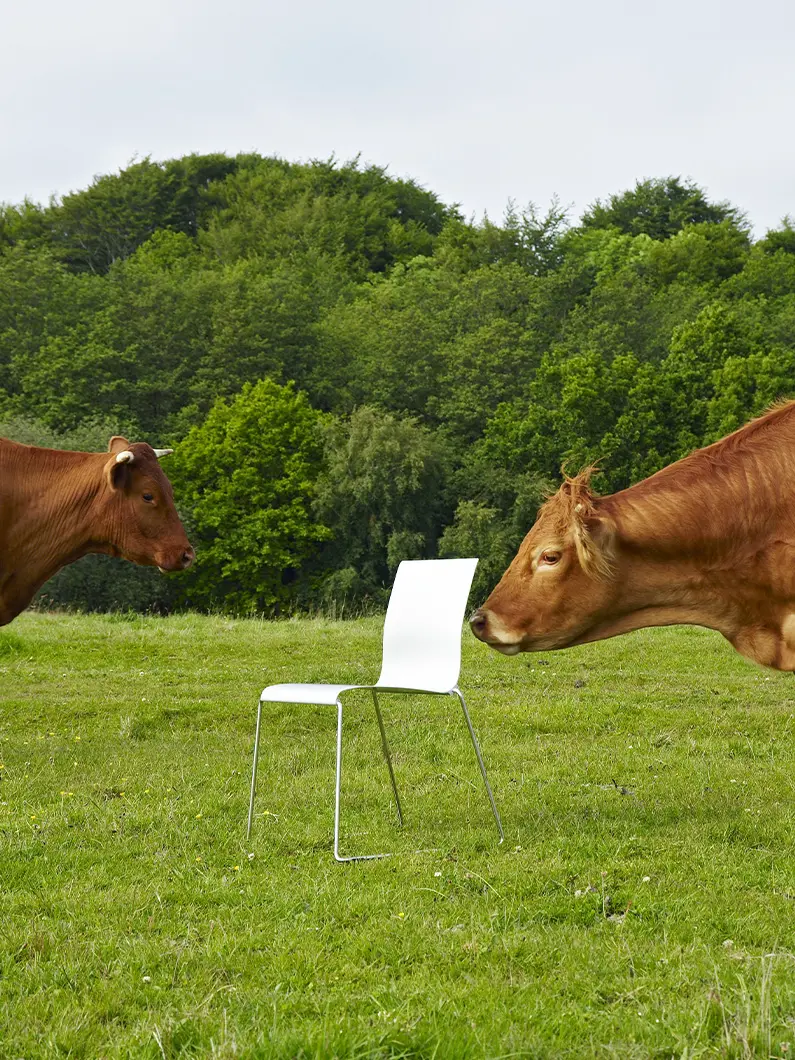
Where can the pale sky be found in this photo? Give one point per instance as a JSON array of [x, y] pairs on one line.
[[479, 102]]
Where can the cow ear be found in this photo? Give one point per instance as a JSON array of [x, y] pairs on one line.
[[118, 444], [595, 541], [117, 473]]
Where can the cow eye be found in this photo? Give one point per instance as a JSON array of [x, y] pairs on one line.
[[550, 557], [148, 498]]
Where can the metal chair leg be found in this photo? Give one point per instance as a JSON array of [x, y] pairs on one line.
[[337, 786], [254, 773], [476, 745], [388, 757]]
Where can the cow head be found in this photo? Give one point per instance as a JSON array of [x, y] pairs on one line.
[[560, 581], [143, 523]]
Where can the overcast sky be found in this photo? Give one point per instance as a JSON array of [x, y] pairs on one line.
[[480, 102]]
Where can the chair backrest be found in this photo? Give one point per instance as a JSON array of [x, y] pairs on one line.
[[422, 630]]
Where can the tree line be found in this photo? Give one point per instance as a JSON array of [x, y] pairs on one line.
[[351, 373]]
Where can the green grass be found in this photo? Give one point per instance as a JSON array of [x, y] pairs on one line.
[[643, 903]]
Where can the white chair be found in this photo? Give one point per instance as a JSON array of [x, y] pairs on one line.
[[421, 653]]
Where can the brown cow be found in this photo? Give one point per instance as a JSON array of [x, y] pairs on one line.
[[56, 506], [707, 541]]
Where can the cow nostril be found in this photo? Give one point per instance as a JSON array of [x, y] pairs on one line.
[[187, 557], [477, 622]]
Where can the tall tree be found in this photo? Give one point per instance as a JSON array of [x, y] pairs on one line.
[[659, 208], [382, 493]]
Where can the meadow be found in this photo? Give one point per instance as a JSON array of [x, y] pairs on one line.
[[642, 904]]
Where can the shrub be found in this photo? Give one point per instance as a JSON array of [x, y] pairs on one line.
[[245, 480]]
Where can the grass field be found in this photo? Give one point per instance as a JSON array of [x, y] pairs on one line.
[[643, 903]]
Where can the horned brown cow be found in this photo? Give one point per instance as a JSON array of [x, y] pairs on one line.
[[708, 541], [57, 506]]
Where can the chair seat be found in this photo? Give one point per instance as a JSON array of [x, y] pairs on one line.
[[328, 694], [317, 694]]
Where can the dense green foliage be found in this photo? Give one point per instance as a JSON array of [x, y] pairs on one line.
[[444, 369], [640, 906], [246, 476]]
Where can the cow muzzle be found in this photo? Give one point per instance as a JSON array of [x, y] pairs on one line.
[[180, 562], [481, 622], [478, 623]]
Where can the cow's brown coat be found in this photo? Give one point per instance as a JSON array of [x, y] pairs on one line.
[[56, 506], [709, 541]]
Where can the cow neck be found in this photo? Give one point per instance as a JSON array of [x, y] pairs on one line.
[[684, 554], [64, 509], [700, 507]]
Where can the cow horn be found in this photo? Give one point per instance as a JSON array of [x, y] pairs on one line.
[[163, 452], [126, 457]]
